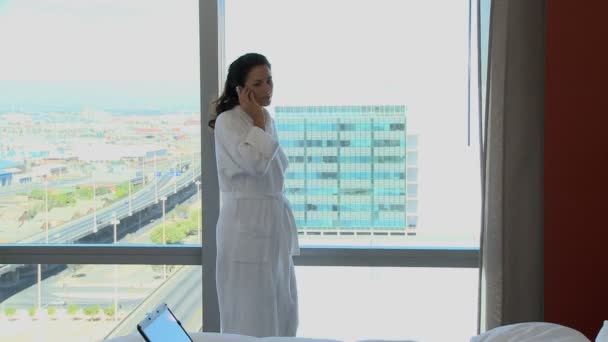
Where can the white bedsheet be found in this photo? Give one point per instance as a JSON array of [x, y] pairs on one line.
[[217, 337], [522, 332]]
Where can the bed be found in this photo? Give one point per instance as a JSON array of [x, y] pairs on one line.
[[521, 332], [531, 332], [217, 337]]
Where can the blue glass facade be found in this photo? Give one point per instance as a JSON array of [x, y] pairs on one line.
[[352, 168]]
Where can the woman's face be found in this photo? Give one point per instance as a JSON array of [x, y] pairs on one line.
[[259, 81]]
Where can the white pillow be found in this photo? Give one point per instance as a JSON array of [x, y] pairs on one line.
[[531, 332], [602, 336]]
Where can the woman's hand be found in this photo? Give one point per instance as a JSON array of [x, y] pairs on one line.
[[251, 106]]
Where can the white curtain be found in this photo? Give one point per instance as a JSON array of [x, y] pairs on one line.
[[511, 270]]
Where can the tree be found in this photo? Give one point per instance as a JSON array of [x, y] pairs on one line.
[[10, 312], [84, 193], [91, 311], [37, 194], [32, 311], [73, 309], [109, 311], [122, 191]]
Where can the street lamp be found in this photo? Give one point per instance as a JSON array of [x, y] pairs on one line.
[[175, 173], [155, 181], [180, 162], [94, 206], [198, 216], [46, 207], [39, 287], [115, 222], [46, 230], [115, 293], [164, 199], [130, 197], [143, 169], [192, 166]]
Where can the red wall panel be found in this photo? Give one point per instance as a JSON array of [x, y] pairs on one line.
[[576, 164]]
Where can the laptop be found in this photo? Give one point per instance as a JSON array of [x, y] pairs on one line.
[[161, 325]]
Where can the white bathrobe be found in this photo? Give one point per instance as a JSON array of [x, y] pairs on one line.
[[256, 231]]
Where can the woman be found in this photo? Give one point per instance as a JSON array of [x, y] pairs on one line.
[[256, 231]]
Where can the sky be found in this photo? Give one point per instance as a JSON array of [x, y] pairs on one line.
[[127, 53], [99, 40]]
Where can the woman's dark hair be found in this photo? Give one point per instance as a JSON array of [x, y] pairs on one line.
[[237, 74]]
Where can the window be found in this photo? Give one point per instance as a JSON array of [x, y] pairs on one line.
[[403, 123], [412, 190], [371, 151], [412, 142], [99, 145], [98, 131], [412, 174], [97, 301], [412, 158], [400, 118], [385, 303]]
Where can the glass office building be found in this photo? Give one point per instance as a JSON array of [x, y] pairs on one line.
[[353, 169]]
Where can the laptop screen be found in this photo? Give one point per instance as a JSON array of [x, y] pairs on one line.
[[166, 328]]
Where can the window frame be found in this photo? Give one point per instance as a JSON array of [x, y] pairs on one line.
[[211, 35]]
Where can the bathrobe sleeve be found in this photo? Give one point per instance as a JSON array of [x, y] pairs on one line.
[[243, 148]]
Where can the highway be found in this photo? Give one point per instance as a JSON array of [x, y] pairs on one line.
[[83, 226], [183, 294]]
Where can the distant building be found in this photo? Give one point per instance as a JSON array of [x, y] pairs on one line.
[[102, 152], [353, 169], [8, 171]]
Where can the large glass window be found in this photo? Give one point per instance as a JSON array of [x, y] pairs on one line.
[[395, 84], [99, 122], [99, 144], [389, 83], [355, 303], [94, 302]]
